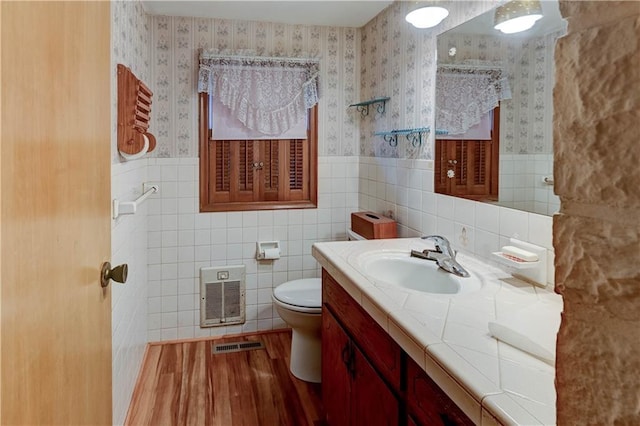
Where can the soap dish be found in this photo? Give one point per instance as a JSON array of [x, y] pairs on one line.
[[510, 261]]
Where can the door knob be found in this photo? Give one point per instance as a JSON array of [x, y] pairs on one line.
[[118, 274]]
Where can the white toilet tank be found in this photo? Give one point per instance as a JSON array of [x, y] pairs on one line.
[[352, 236]]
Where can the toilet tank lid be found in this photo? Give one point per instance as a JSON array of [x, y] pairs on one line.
[[306, 292], [353, 236]]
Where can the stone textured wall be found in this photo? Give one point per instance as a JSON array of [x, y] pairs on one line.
[[597, 234]]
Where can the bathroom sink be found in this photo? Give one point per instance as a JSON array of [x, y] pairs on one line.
[[397, 268]]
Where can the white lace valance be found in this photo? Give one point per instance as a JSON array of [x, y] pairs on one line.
[[465, 95], [268, 95]]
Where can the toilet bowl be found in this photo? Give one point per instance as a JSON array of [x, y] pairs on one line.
[[299, 304]]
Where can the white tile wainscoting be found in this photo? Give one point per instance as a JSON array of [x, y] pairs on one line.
[[129, 300], [522, 183], [181, 241]]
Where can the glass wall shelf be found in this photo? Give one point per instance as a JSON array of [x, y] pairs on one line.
[[363, 107]]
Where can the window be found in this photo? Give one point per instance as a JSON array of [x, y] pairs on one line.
[[467, 165], [258, 132], [256, 174]]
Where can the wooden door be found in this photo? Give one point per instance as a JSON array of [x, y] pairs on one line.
[[336, 379], [55, 222]]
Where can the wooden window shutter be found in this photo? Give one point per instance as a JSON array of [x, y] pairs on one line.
[[479, 162], [243, 178], [270, 157], [441, 166], [245, 165], [461, 165], [223, 166], [297, 166], [238, 175], [219, 154]]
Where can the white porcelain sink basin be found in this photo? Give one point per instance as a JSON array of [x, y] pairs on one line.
[[397, 268]]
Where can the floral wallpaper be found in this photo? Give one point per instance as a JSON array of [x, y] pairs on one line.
[[130, 47], [395, 62], [386, 57], [175, 47]]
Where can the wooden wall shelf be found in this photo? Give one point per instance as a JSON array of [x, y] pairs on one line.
[[134, 113]]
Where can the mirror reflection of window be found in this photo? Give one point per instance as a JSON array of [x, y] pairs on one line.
[[521, 165]]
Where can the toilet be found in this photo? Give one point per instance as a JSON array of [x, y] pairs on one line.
[[299, 304]]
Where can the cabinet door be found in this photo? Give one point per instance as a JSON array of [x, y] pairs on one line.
[[428, 404], [380, 348], [373, 404], [336, 380]]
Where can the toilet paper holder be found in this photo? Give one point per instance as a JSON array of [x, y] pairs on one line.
[[267, 250]]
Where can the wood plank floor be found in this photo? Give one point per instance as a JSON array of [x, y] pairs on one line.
[[186, 384]]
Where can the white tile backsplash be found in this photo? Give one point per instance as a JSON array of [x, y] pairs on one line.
[[514, 223], [477, 228]]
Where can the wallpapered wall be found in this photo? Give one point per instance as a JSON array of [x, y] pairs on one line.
[[175, 45], [130, 39], [398, 60], [387, 57]]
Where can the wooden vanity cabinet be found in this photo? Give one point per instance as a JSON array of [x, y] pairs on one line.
[[367, 379]]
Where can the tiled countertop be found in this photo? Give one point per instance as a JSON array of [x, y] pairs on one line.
[[492, 382]]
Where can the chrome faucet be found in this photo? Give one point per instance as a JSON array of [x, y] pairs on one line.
[[443, 255]]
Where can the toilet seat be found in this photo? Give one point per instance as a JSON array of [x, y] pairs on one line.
[[304, 295]]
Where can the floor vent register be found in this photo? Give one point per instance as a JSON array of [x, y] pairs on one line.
[[225, 348]]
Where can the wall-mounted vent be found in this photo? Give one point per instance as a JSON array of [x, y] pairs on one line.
[[222, 291]]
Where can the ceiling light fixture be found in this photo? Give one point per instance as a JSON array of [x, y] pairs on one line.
[[425, 16], [517, 16]]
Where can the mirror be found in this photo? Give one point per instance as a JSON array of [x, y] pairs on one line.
[[498, 155]]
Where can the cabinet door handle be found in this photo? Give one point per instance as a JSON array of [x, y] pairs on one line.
[[352, 361], [346, 355], [348, 359]]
